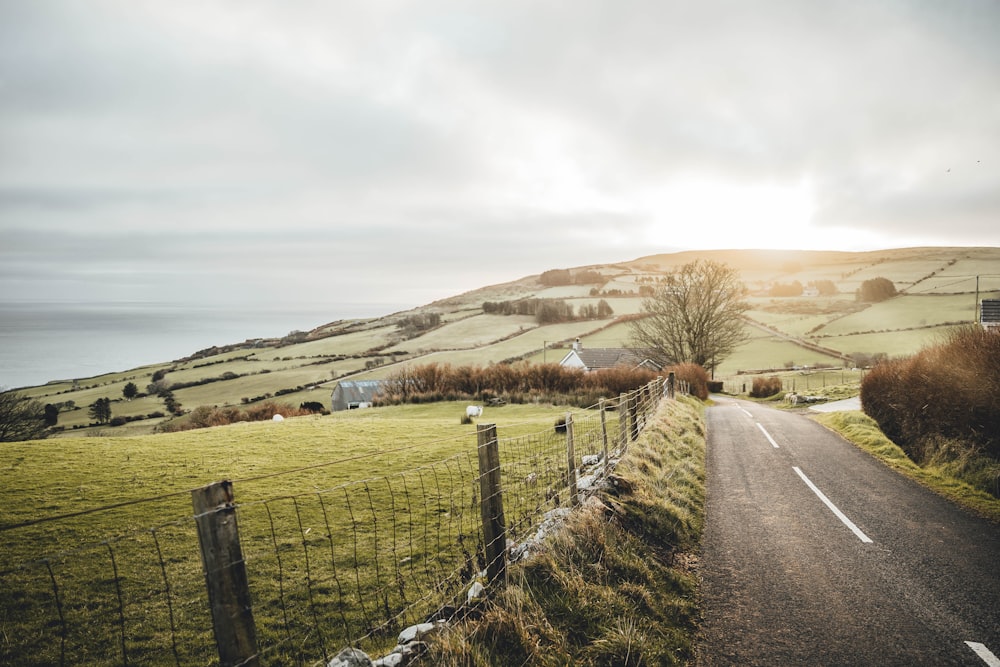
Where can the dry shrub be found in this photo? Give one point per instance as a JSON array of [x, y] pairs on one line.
[[695, 376], [205, 416], [515, 383], [944, 395], [764, 387]]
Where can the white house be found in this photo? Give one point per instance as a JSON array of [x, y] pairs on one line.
[[591, 359]]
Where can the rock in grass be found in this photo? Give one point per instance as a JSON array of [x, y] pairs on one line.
[[351, 657], [415, 632]]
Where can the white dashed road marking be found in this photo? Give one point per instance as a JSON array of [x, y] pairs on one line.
[[984, 653], [833, 508], [767, 435]]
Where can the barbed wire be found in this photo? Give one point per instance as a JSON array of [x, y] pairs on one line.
[[347, 563]]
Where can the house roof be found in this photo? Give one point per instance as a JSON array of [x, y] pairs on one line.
[[609, 357], [357, 391]]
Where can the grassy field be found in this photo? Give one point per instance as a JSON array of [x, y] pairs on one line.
[[939, 283], [148, 600], [356, 516]]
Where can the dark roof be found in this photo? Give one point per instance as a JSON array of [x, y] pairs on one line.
[[610, 357], [354, 391], [990, 312]]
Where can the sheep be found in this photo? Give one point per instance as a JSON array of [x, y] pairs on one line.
[[474, 411]]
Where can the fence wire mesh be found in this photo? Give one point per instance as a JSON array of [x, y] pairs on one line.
[[330, 562]]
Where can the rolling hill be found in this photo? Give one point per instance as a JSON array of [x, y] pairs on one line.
[[938, 289]]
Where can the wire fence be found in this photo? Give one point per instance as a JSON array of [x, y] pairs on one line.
[[293, 577], [803, 380]]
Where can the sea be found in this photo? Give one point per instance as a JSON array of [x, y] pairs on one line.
[[43, 342]]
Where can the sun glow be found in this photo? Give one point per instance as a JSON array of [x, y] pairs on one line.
[[704, 213]]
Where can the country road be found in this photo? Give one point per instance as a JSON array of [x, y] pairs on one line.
[[814, 553]]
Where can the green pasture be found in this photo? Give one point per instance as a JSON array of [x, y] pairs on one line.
[[73, 474], [793, 324], [348, 344], [903, 272], [798, 315], [564, 292], [351, 523], [903, 312], [475, 331], [893, 343], [763, 351], [514, 347], [470, 337]]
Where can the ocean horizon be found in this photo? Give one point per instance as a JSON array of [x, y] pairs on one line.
[[51, 341]]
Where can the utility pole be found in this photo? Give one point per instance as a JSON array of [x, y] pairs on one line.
[[979, 316]]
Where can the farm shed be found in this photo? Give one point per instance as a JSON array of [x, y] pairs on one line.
[[591, 359], [989, 314], [351, 394]]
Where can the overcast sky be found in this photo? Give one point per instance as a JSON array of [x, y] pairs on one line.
[[390, 152]]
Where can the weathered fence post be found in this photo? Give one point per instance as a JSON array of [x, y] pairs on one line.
[[623, 419], [604, 436], [574, 493], [225, 574], [491, 507], [671, 385], [633, 415]]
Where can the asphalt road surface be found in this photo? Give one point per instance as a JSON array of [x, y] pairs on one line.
[[814, 553]]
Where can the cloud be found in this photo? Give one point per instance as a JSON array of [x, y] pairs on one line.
[[441, 146]]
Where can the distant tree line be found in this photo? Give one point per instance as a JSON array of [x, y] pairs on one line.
[[795, 288], [549, 311], [558, 277], [414, 325]]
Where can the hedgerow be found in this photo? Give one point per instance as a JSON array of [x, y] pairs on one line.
[[942, 404], [512, 383]]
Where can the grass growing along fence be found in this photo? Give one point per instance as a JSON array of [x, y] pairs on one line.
[[333, 558], [615, 586]]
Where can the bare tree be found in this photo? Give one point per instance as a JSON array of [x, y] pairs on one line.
[[695, 315], [21, 418]]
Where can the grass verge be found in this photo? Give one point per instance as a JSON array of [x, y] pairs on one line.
[[615, 586], [862, 430]]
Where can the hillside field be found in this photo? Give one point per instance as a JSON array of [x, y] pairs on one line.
[[937, 291], [351, 494]]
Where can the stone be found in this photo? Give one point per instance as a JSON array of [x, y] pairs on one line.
[[476, 592], [394, 659], [351, 657], [415, 632]]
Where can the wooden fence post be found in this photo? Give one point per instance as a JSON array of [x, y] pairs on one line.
[[491, 505], [574, 493], [225, 574], [671, 385], [623, 419], [633, 415], [604, 436]]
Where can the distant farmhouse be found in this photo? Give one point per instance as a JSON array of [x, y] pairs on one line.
[[989, 314], [592, 359], [352, 394]]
